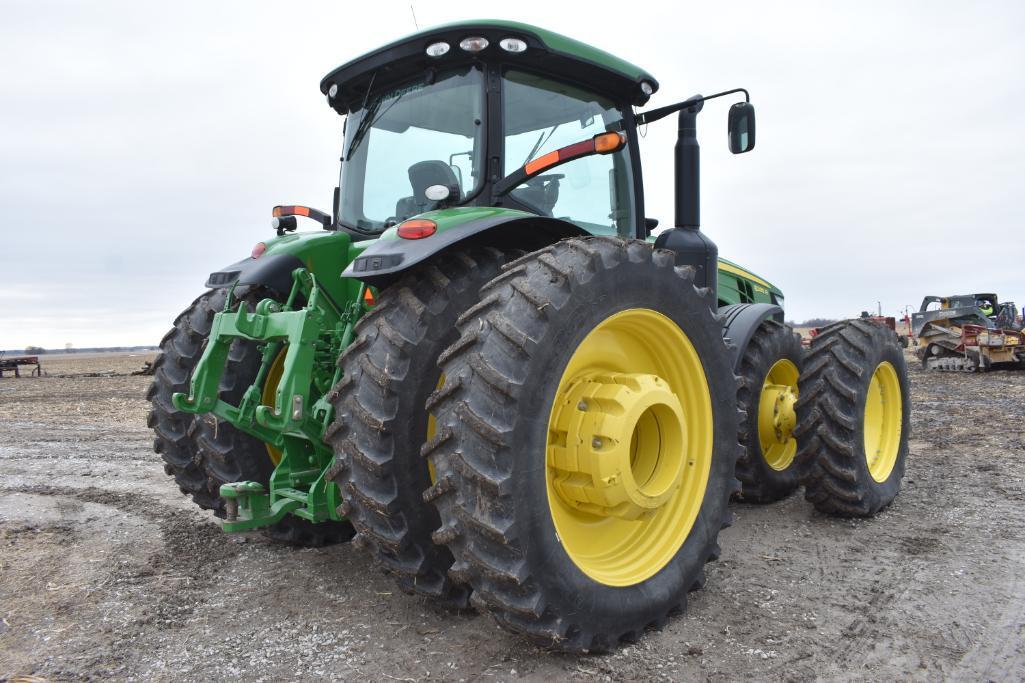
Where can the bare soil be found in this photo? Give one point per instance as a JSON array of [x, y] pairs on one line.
[[107, 572]]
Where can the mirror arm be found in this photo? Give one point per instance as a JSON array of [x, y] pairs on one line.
[[282, 211], [655, 114]]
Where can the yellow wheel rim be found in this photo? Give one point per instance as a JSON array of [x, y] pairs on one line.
[[268, 398], [884, 412], [432, 429], [629, 447], [776, 415]]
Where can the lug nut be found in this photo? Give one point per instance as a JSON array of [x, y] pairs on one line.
[[596, 443]]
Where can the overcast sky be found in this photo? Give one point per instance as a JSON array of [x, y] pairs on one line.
[[142, 145]]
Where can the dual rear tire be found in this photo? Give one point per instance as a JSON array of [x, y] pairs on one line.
[[584, 439]]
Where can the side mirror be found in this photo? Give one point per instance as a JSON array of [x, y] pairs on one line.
[[742, 127]]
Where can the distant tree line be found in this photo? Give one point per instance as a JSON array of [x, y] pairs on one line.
[[39, 350], [812, 322]]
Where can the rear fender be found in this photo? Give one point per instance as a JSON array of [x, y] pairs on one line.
[[741, 322], [325, 254], [388, 257]]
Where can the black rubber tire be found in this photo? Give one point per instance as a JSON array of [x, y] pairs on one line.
[[217, 452], [492, 417], [380, 422], [830, 424], [174, 438], [760, 483]]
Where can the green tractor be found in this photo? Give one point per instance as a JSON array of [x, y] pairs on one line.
[[488, 367]]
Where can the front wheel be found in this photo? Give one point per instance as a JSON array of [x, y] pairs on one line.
[[853, 419], [587, 435], [770, 368]]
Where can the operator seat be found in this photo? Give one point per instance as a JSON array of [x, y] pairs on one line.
[[422, 175], [541, 196]]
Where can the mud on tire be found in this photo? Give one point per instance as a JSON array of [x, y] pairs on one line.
[[840, 475], [380, 423], [490, 450]]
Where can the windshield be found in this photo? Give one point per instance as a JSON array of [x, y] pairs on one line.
[[407, 139]]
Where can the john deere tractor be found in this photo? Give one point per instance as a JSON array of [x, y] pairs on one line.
[[488, 365]]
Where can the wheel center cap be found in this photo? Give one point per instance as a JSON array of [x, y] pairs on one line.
[[618, 444], [777, 408]]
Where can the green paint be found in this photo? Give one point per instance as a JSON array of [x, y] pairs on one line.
[[323, 253], [738, 285], [312, 336], [454, 217]]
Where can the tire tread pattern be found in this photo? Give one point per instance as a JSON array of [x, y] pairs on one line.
[[474, 494], [372, 421], [831, 457]]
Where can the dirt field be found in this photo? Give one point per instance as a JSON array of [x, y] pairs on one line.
[[106, 571]]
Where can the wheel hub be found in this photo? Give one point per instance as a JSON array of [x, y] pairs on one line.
[[777, 416], [617, 445], [778, 410]]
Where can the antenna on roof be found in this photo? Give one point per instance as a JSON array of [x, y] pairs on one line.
[[413, 12]]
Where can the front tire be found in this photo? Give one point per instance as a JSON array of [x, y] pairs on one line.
[[853, 419], [586, 444], [770, 368]]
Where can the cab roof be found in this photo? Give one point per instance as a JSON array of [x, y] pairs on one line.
[[551, 52]]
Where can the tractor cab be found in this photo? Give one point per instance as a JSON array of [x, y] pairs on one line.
[[472, 115], [537, 127]]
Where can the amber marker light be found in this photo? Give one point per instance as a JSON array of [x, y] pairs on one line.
[[604, 143]]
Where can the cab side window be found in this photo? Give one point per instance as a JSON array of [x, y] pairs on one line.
[[542, 115]]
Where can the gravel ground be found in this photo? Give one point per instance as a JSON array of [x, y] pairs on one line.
[[106, 571]]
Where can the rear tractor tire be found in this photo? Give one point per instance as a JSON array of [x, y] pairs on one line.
[[853, 419], [770, 369], [586, 444], [203, 453], [380, 422]]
